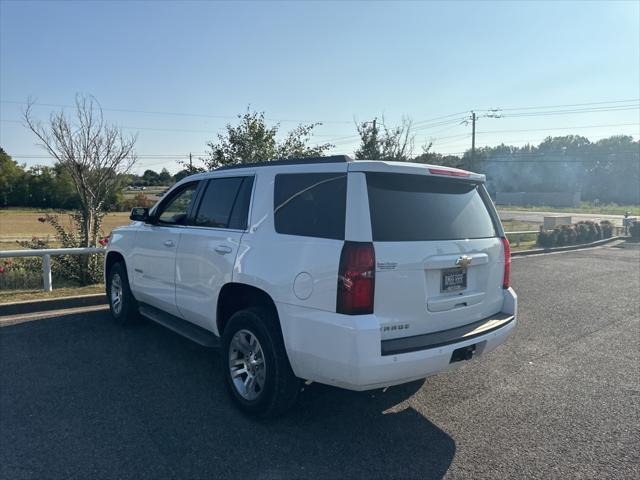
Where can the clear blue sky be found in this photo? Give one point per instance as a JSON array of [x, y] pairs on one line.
[[320, 61]]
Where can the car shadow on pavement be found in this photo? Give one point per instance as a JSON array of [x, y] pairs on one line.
[[82, 397]]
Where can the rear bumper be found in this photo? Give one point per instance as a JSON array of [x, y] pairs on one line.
[[347, 351]]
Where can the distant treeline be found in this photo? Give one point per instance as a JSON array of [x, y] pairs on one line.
[[52, 187], [607, 171]]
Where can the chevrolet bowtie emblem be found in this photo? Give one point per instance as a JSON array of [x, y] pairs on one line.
[[464, 261]]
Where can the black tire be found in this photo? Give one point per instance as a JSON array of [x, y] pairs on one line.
[[280, 386], [125, 311]]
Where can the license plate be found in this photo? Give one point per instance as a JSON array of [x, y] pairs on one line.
[[453, 279]]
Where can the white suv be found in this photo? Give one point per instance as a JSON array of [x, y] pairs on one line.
[[358, 274]]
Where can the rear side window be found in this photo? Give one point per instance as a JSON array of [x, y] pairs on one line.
[[310, 204], [417, 207], [225, 203]]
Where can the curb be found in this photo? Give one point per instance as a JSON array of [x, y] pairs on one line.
[[523, 253], [8, 320], [62, 303]]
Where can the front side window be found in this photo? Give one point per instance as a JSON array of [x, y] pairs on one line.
[[310, 204], [176, 209], [225, 203]]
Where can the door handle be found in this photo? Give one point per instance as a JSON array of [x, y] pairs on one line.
[[223, 249], [169, 243]]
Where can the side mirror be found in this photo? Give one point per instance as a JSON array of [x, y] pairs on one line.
[[139, 214]]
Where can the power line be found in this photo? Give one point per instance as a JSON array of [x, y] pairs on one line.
[[437, 142], [561, 128], [151, 156], [355, 137], [571, 112], [557, 157], [539, 140], [127, 127], [168, 113], [419, 125], [565, 105]]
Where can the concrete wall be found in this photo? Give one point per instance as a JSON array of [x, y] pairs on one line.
[[549, 199]]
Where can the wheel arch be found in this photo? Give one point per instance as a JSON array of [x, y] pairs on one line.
[[236, 296], [111, 259]]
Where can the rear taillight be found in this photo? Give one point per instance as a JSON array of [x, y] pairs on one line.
[[507, 262], [356, 278]]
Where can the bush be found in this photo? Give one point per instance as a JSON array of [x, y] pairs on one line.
[[544, 238], [598, 231], [20, 273], [607, 228], [139, 200], [581, 232], [591, 231]]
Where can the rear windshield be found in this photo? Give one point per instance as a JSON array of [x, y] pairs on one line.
[[417, 207]]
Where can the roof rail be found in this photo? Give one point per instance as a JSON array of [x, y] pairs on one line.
[[290, 161]]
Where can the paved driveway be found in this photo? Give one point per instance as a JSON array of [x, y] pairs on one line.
[[83, 398]]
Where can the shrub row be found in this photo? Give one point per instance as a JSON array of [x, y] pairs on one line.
[[581, 232]]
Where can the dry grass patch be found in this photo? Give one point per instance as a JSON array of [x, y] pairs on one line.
[[18, 222]]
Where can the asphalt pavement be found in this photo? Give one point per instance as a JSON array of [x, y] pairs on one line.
[[81, 397]]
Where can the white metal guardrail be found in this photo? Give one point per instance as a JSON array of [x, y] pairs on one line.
[[518, 235], [46, 254]]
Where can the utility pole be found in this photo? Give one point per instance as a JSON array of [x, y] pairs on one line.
[[492, 113], [190, 163], [473, 139]]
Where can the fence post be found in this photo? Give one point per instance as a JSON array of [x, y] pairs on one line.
[[517, 240], [46, 272]]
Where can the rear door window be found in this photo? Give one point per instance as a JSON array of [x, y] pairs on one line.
[[224, 203], [310, 204], [419, 207]]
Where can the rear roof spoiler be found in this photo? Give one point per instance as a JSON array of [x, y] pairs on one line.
[[365, 166], [411, 168]]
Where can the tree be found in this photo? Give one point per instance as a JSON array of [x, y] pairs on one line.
[[11, 178], [379, 142], [93, 153], [164, 178], [182, 174], [252, 140], [150, 178], [370, 145]]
